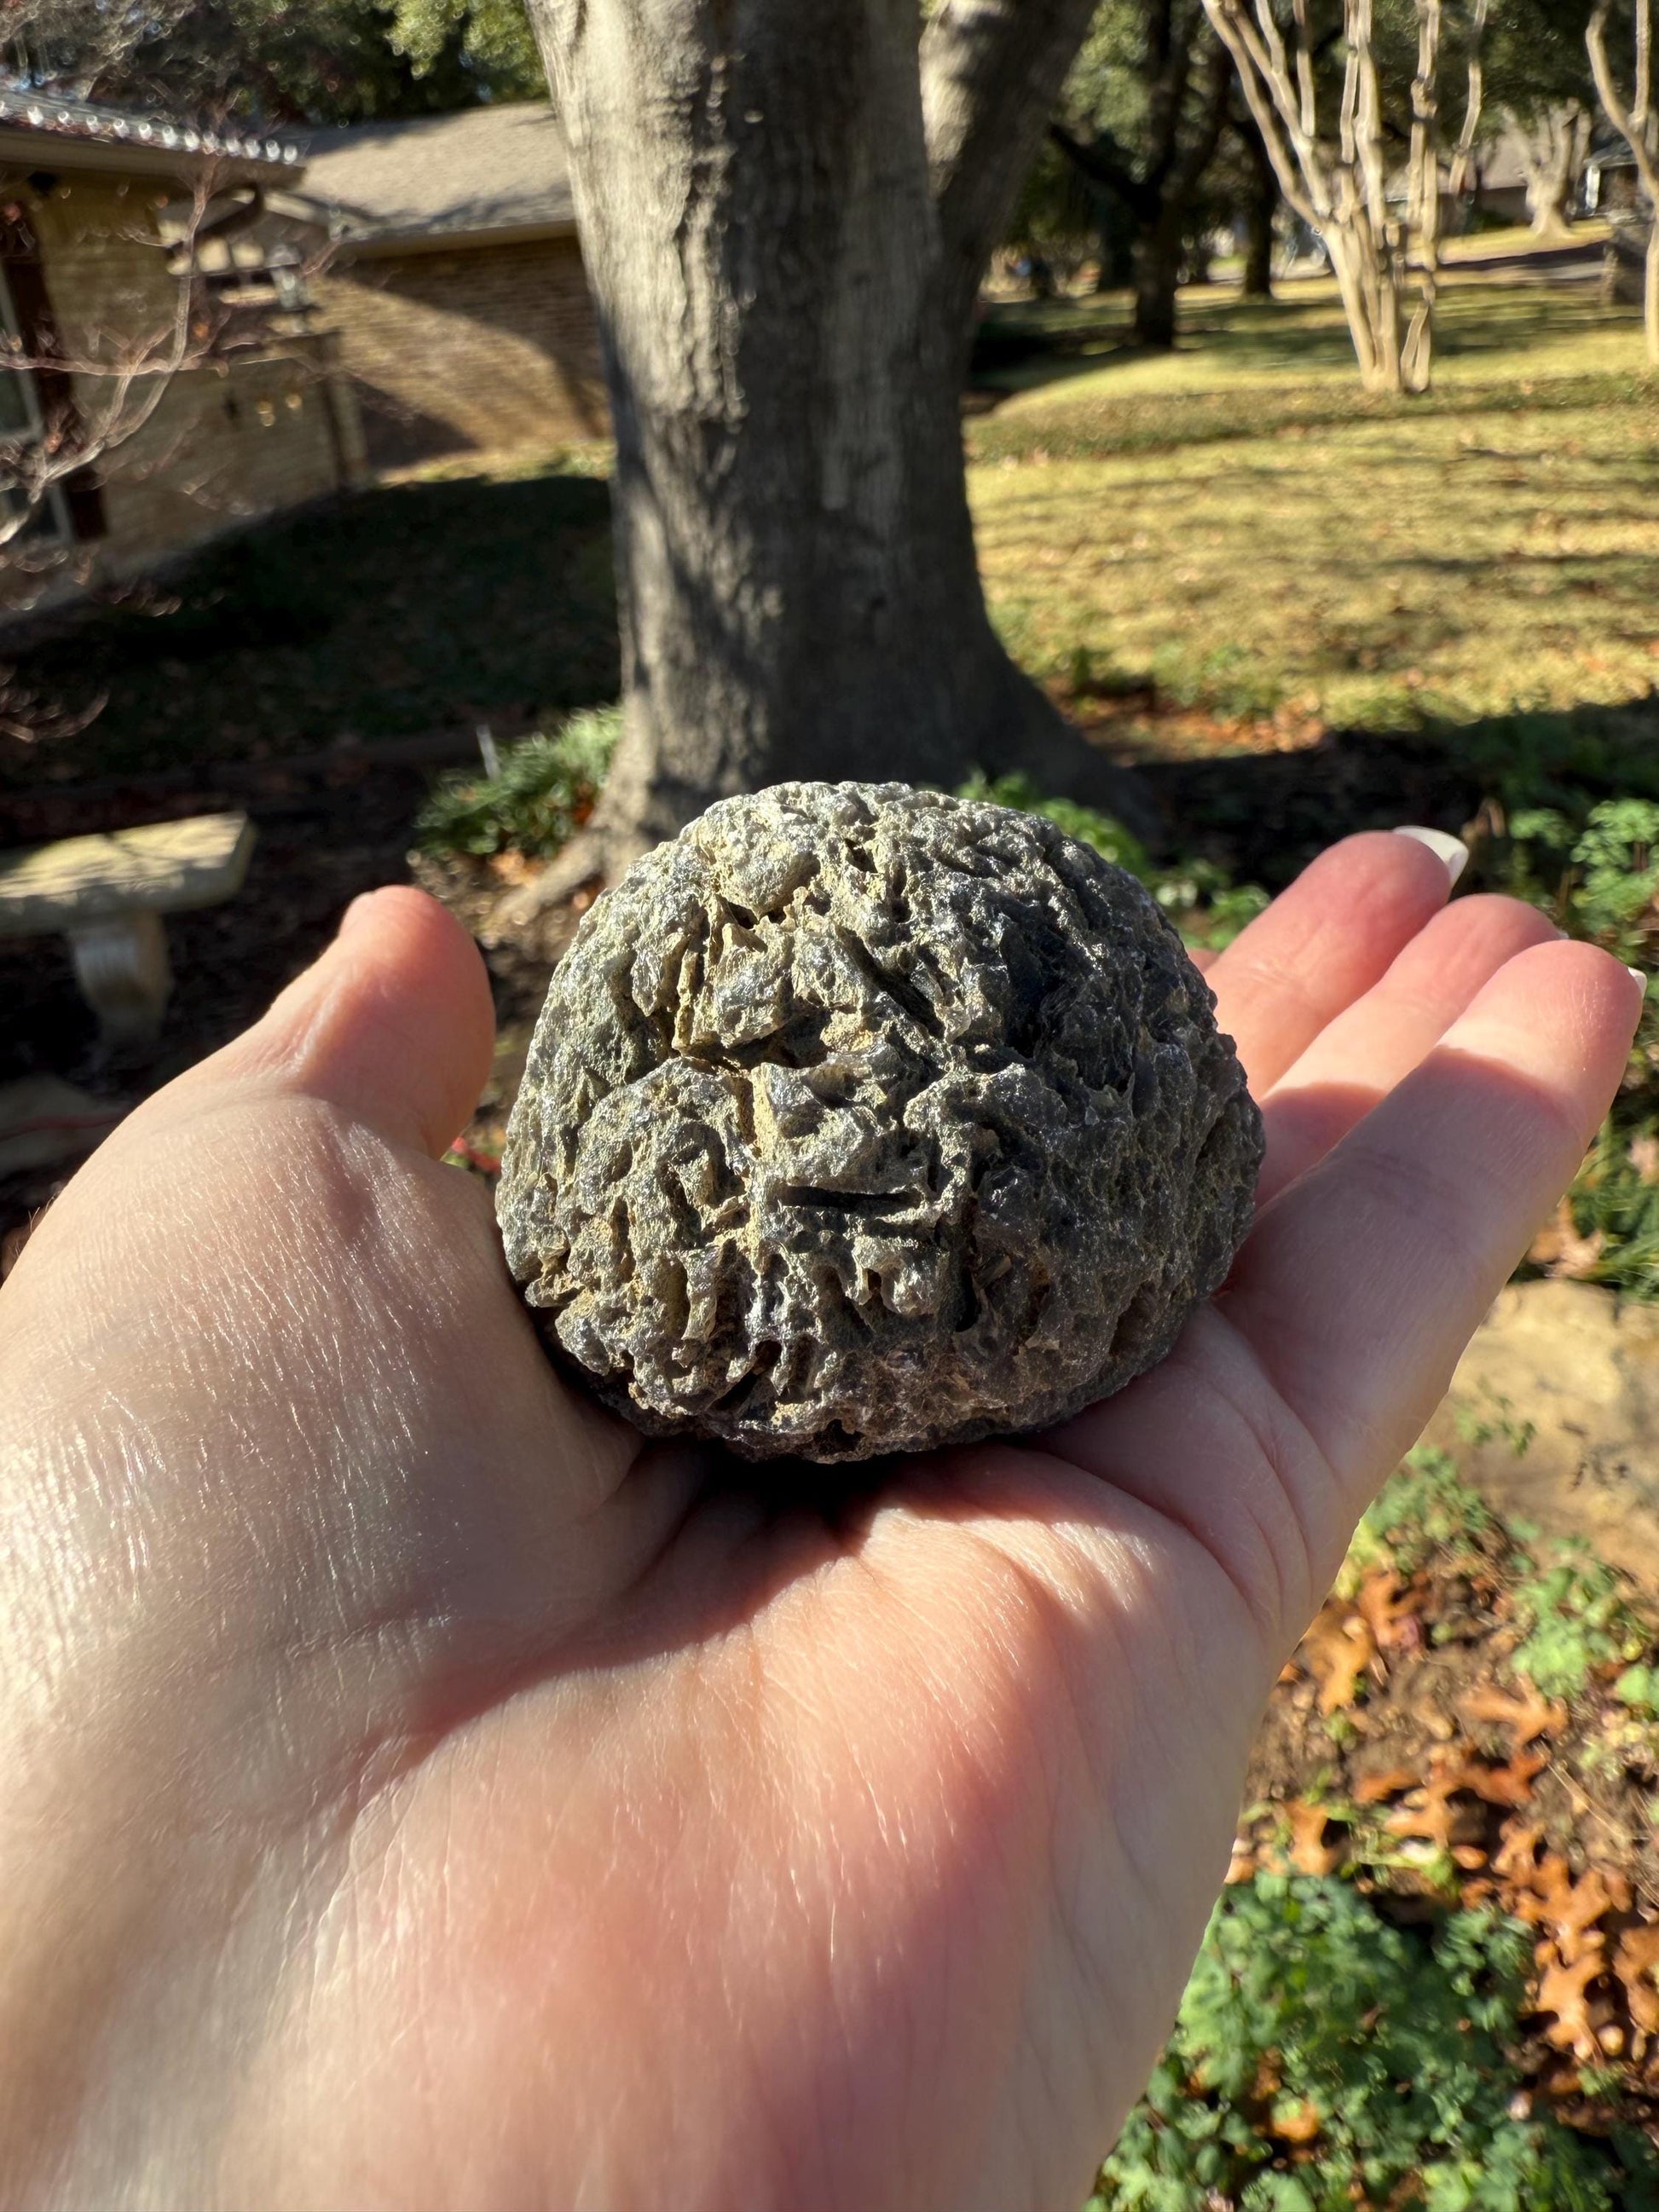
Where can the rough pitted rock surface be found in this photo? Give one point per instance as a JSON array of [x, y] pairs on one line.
[[860, 1119]]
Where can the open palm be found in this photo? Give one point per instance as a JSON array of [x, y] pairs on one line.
[[421, 1793]]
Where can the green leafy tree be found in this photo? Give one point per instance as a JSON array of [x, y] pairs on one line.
[[272, 61], [1142, 120]]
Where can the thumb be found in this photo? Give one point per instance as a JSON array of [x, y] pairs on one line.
[[393, 1024]]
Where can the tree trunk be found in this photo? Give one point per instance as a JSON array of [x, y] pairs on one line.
[[1650, 292], [1341, 192], [1116, 271], [1371, 303], [1553, 174], [784, 332], [1259, 210], [1156, 273], [1423, 219]]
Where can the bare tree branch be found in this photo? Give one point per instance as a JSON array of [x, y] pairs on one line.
[[1099, 162], [1340, 188], [991, 74]]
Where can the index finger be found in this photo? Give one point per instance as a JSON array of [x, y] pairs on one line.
[[1323, 942]]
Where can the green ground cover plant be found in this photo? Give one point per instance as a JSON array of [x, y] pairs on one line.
[[1362, 2036], [541, 794], [1312, 2024]]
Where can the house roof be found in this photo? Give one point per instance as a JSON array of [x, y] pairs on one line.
[[437, 179], [46, 130]]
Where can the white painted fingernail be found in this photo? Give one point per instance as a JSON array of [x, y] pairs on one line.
[[1452, 850], [1641, 977]]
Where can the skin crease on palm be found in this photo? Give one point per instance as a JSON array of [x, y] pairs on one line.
[[419, 1793]]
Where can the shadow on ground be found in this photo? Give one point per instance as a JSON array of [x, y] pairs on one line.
[[1262, 817], [407, 608]]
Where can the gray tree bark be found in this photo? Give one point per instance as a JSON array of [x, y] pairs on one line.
[[784, 262]]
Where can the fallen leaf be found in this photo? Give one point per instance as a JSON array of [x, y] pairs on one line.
[[1568, 1910], [1561, 1251], [1389, 1609], [1516, 1858], [1636, 1962], [1336, 1651], [1526, 1718], [1561, 1991], [1374, 1788], [1509, 1785], [1299, 2124], [1431, 1813], [1309, 1853]]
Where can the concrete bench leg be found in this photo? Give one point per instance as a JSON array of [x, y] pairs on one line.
[[121, 965]]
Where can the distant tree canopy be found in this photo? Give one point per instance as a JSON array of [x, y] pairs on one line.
[[278, 61]]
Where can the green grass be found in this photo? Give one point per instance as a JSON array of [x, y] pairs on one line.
[[1241, 529]]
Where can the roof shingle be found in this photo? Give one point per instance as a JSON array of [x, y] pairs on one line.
[[485, 169]]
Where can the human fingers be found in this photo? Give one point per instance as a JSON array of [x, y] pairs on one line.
[[1363, 1282], [1360, 1055], [393, 1025], [1321, 943]]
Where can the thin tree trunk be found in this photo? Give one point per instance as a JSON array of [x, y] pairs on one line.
[[784, 324], [1633, 120], [1116, 271], [1261, 208], [1549, 175], [1157, 274], [1341, 194], [1416, 356]]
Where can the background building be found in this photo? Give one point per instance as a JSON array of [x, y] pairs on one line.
[[454, 278], [164, 378]]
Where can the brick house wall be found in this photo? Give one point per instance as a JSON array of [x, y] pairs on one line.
[[228, 440], [476, 347]]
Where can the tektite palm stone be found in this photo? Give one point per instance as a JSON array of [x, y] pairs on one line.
[[861, 1119]]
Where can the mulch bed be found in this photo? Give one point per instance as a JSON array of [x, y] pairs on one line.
[[1400, 1751]]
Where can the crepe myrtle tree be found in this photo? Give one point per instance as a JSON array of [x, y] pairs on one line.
[[1630, 106], [1335, 87], [785, 216]]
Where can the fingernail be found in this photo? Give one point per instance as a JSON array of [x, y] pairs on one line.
[[1452, 850], [1640, 977]]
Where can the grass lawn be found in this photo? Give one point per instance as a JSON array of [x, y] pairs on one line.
[[1238, 527]]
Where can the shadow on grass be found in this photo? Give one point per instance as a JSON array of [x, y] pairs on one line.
[[408, 608], [1299, 339], [1262, 817]]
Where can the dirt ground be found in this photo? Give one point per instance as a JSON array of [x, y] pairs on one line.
[[328, 827], [1400, 1751]]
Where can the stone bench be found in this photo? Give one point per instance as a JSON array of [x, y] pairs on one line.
[[107, 896]]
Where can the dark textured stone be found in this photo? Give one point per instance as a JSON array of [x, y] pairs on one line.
[[860, 1119]]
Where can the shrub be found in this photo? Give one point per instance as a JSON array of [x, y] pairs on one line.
[[544, 790], [1201, 900]]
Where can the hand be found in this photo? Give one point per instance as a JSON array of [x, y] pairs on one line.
[[419, 1793]]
